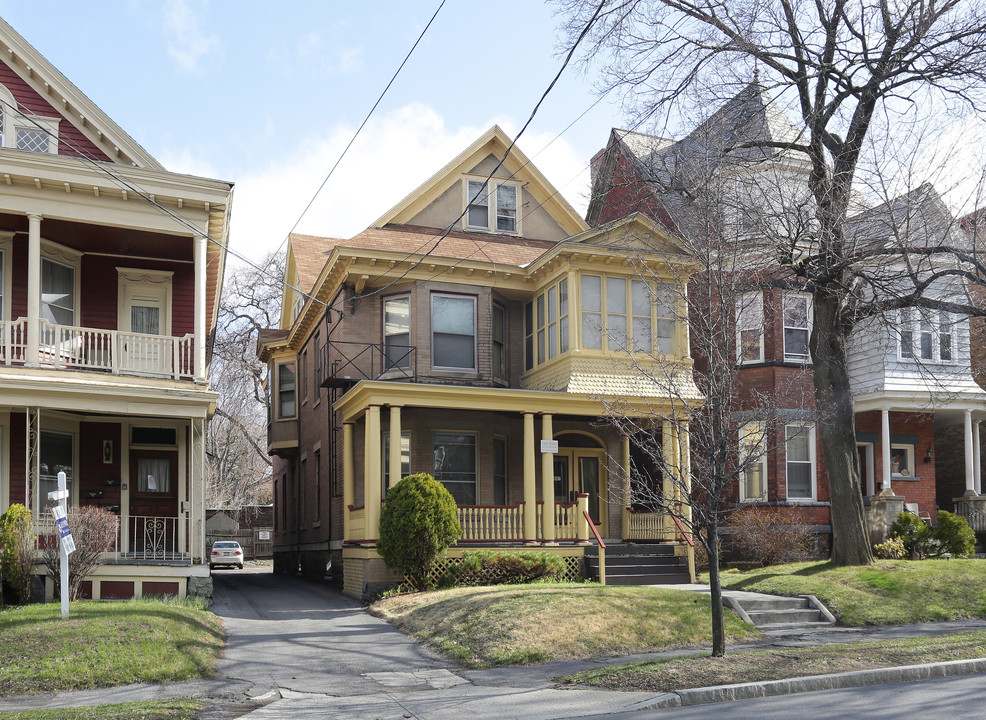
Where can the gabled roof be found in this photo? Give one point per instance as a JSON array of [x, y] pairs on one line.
[[493, 142], [32, 67], [916, 219]]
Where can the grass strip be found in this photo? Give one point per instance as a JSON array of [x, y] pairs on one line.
[[527, 624], [888, 592], [151, 710], [105, 644], [668, 675]]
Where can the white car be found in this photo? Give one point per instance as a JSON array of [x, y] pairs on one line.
[[226, 552]]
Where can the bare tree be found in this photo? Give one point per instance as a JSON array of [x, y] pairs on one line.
[[860, 78], [239, 468], [94, 532]]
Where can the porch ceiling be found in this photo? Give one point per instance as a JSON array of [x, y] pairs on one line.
[[367, 393]]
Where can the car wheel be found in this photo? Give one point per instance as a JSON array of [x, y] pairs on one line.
[[240, 566]]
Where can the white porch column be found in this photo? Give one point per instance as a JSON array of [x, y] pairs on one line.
[[977, 458], [547, 484], [885, 447], [372, 471], [348, 480], [530, 482], [395, 446], [970, 474], [625, 462], [33, 289], [199, 327], [197, 548]]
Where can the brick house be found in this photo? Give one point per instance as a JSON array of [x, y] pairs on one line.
[[474, 332], [110, 269], [911, 376]]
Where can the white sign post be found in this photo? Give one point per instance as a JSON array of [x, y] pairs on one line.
[[66, 544]]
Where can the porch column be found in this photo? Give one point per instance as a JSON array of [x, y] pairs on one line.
[[530, 482], [348, 479], [547, 484], [978, 458], [33, 289], [199, 325], [970, 474], [685, 458], [372, 471], [395, 445], [885, 448], [625, 462], [669, 454], [197, 548]]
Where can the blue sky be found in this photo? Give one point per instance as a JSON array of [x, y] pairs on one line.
[[268, 94]]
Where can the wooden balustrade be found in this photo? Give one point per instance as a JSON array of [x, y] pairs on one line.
[[649, 526], [491, 523]]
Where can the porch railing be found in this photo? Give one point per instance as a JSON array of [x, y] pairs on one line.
[[975, 518], [649, 526], [491, 522], [565, 520], [149, 538], [116, 351]]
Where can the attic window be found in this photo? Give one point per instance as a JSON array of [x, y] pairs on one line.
[[495, 208]]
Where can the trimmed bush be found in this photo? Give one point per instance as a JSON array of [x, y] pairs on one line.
[[954, 535], [916, 536], [488, 567], [891, 549], [417, 525], [17, 556]]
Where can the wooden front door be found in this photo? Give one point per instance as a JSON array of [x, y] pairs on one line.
[[580, 470], [154, 483]]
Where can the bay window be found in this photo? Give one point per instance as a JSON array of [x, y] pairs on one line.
[[453, 332], [397, 332], [286, 401], [623, 313], [799, 450], [546, 324], [925, 335], [753, 462]]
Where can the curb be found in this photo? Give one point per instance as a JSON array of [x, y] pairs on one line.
[[789, 686]]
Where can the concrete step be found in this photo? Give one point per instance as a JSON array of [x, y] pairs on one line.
[[778, 603], [773, 617], [777, 613]]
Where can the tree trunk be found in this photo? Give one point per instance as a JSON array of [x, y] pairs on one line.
[[837, 432], [715, 586]]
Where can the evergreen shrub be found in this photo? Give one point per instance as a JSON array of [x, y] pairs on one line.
[[488, 567]]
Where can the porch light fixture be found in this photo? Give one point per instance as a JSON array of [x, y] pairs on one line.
[[927, 455]]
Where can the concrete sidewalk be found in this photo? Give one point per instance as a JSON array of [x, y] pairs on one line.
[[302, 651]]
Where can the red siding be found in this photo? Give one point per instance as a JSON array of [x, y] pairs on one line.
[[159, 588], [70, 140], [116, 589], [92, 469]]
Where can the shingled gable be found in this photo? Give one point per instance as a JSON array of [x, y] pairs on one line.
[[423, 207], [41, 90]]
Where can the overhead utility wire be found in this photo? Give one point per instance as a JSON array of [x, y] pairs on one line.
[[356, 134], [544, 95]]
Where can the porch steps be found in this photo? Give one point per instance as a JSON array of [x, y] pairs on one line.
[[630, 564], [781, 613]]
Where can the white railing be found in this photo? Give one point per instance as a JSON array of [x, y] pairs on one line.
[[127, 353], [491, 522]]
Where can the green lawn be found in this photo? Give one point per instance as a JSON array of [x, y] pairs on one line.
[[887, 592], [151, 710], [104, 644], [509, 625]]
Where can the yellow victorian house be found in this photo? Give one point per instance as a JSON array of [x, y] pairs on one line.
[[481, 332]]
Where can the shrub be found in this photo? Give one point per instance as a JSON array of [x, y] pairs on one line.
[[758, 535], [94, 533], [891, 549], [916, 536], [17, 556], [487, 567], [954, 535], [417, 524]]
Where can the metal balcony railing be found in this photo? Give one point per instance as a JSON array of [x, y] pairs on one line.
[[345, 363]]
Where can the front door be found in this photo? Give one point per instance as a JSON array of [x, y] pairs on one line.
[[579, 470], [144, 313], [154, 501]]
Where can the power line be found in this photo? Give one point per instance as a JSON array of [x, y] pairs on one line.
[[358, 130]]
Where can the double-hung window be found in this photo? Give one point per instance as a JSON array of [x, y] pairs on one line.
[[397, 332], [286, 399], [499, 342], [799, 450], [925, 335], [454, 457], [453, 332], [797, 326], [753, 462], [749, 327], [57, 455], [492, 206]]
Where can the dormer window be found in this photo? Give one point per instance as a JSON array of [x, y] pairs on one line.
[[492, 206], [32, 133]]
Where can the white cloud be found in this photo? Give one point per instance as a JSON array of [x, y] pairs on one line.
[[188, 44], [336, 60], [394, 154]]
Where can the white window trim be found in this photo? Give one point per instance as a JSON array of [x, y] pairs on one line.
[[939, 319], [39, 123], [801, 359], [491, 206], [746, 302], [909, 453], [397, 371], [56, 253], [475, 333], [746, 431], [808, 428], [277, 390], [155, 283]]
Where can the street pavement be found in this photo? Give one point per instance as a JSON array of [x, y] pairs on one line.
[[297, 649]]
